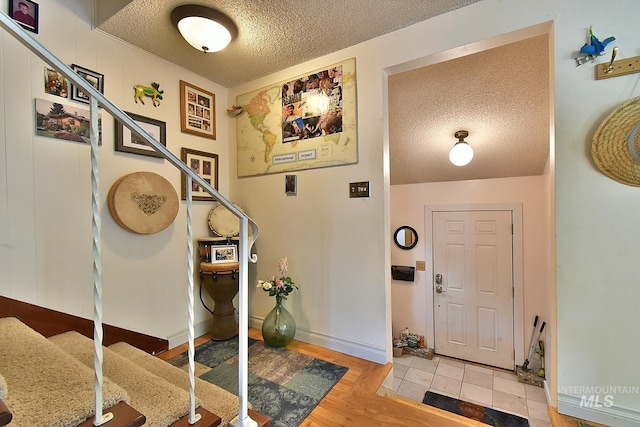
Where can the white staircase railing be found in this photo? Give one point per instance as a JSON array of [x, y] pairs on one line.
[[244, 245]]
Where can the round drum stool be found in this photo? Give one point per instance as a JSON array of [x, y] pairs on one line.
[[219, 270], [221, 283]]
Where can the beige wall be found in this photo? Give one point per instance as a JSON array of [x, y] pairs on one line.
[[340, 246]]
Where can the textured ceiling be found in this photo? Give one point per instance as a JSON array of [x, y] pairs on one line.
[[501, 95], [272, 35]]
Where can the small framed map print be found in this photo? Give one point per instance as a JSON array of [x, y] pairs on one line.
[[197, 111]]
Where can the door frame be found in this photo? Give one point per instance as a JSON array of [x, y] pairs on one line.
[[518, 266]]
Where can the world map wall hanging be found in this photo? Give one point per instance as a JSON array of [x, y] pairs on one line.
[[304, 122]]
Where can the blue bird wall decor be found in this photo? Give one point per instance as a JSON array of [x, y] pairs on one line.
[[593, 48]]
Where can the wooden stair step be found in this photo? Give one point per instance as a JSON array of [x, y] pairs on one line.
[[5, 414], [262, 420], [123, 416], [207, 419]]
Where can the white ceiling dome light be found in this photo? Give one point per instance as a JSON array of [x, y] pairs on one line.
[[461, 153], [204, 28]]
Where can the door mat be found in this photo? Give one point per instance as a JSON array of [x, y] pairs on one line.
[[489, 416], [283, 385]]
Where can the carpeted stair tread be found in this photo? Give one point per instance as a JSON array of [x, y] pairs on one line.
[[214, 398], [3, 388], [5, 414], [45, 385], [160, 402]]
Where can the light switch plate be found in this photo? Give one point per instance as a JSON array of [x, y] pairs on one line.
[[359, 189]]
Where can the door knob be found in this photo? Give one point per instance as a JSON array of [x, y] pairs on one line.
[[439, 283]]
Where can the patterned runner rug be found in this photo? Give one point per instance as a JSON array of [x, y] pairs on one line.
[[283, 385], [490, 416]]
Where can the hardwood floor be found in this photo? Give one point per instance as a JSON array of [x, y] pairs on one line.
[[355, 401]]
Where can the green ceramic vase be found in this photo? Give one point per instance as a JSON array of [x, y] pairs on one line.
[[279, 326]]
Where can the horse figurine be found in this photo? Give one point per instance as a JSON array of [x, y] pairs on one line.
[[153, 92]]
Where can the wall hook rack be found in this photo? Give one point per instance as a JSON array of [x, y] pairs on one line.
[[618, 68]]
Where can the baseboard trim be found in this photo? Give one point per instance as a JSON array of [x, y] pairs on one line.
[[182, 336], [614, 416], [352, 348], [547, 392]]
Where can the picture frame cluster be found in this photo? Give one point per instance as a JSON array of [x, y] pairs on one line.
[[197, 110]]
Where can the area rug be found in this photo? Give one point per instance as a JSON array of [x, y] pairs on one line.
[[283, 385], [490, 416]]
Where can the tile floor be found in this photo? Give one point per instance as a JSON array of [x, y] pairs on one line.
[[498, 389]]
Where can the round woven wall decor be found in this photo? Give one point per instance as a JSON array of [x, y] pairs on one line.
[[617, 135], [143, 202]]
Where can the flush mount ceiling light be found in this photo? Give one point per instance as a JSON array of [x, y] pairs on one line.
[[204, 28], [461, 153]]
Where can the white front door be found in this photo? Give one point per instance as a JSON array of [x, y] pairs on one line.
[[473, 286]]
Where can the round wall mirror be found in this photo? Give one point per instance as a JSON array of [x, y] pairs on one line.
[[405, 237]]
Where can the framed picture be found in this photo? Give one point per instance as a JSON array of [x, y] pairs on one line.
[[128, 142], [94, 79], [290, 185], [206, 166], [61, 121], [311, 122], [197, 111], [220, 254], [55, 83], [25, 13]]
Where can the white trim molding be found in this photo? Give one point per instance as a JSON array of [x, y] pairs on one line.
[[350, 347], [182, 336], [598, 409]]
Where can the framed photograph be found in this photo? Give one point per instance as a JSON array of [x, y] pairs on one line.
[[206, 166], [197, 111], [55, 83], [128, 142], [93, 78], [290, 185], [61, 121], [220, 254], [25, 13]]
